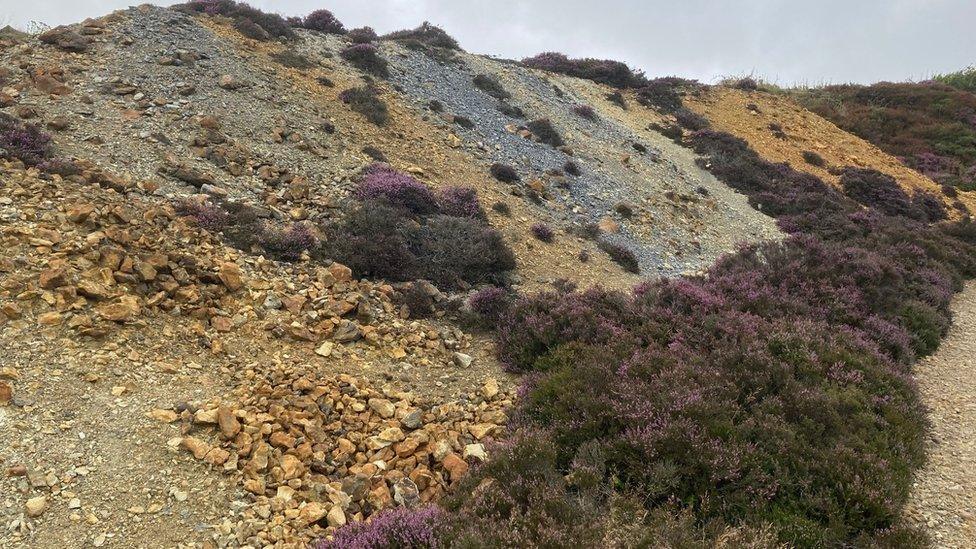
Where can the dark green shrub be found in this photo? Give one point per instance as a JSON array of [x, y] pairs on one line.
[[546, 132], [366, 58], [366, 101], [621, 255], [504, 173], [426, 35], [491, 86]]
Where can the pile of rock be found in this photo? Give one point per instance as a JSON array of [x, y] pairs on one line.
[[316, 453]]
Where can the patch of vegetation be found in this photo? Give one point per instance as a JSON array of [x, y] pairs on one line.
[[510, 110], [543, 232], [366, 58], [814, 159], [964, 80], [504, 173], [585, 111], [617, 99], [603, 71], [401, 231], [490, 85], [931, 126], [366, 101], [323, 21], [363, 35], [621, 255], [293, 59], [247, 20], [23, 141], [544, 130], [428, 35]]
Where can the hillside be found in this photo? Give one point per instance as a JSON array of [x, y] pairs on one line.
[[270, 282]]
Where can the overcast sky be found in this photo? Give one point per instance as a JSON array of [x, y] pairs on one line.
[[785, 41]]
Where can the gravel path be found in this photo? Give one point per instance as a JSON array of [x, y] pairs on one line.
[[944, 496]]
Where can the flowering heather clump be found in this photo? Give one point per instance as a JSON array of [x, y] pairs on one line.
[[664, 94], [22, 141], [585, 111], [603, 71], [690, 120], [323, 21], [427, 35], [490, 303], [504, 173], [366, 58], [397, 528], [365, 100], [929, 206], [287, 244], [621, 255], [396, 188], [459, 202], [256, 23], [543, 232], [205, 214], [876, 190], [363, 35]]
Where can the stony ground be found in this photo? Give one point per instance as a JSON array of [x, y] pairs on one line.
[[944, 497]]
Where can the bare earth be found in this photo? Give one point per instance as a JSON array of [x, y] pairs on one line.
[[944, 497]]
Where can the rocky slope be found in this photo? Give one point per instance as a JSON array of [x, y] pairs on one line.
[[162, 388]]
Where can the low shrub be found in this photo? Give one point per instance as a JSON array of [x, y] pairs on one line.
[[325, 81], [664, 94], [504, 173], [571, 168], [491, 86], [415, 298], [617, 99], [374, 153], [690, 120], [459, 202], [289, 243], [585, 111], [542, 232], [546, 132], [464, 122], [510, 110], [381, 182], [501, 208], [366, 101], [814, 159], [366, 58], [247, 20], [490, 303], [877, 190], [929, 207], [428, 35], [398, 231], [435, 106], [292, 59], [323, 21], [746, 84], [363, 35], [964, 79], [23, 141], [621, 255], [401, 527], [603, 71]]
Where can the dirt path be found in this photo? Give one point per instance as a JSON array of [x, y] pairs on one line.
[[944, 498]]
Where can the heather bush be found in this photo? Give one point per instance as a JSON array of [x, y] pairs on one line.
[[427, 35], [464, 122], [397, 189], [435, 106], [395, 528], [459, 202], [690, 120], [490, 85], [617, 99], [366, 58], [664, 94], [571, 168], [248, 20], [603, 71], [542, 232], [402, 231], [501, 208], [289, 243], [504, 173], [363, 35], [374, 153], [23, 141], [814, 159], [621, 255], [204, 214], [323, 21], [510, 110], [929, 206], [877, 190], [291, 59], [546, 132], [746, 84], [490, 303], [366, 101], [415, 298], [585, 111]]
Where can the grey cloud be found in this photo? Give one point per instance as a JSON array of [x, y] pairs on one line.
[[783, 40]]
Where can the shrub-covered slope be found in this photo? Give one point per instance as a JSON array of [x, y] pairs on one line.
[[931, 126]]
